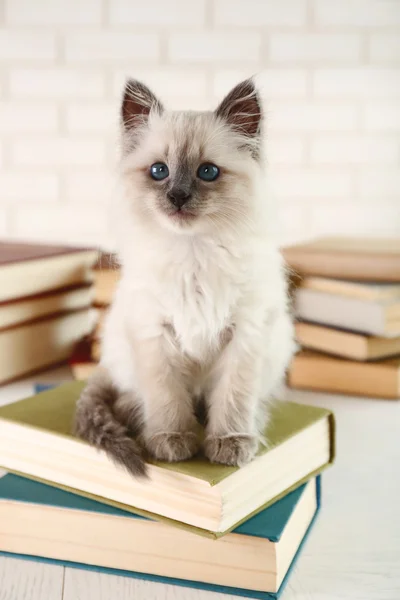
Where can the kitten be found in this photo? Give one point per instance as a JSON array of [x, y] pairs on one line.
[[200, 313]]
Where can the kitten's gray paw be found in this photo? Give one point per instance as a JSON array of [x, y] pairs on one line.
[[236, 450], [172, 447]]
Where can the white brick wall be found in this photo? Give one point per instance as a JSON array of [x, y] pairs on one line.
[[53, 12], [25, 117], [315, 47], [329, 71], [285, 13], [39, 152], [214, 46], [52, 83]]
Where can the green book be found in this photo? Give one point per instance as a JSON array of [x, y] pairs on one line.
[[36, 441]]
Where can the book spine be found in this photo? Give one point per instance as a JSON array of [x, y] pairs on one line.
[[357, 267], [344, 377]]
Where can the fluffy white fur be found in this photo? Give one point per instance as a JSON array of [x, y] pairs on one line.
[[201, 309]]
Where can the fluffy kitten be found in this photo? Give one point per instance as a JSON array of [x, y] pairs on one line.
[[200, 313]]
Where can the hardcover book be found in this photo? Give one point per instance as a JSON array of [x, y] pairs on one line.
[[30, 347], [27, 269], [35, 439], [253, 560], [360, 259], [30, 308], [106, 276], [313, 371], [371, 317], [347, 344], [366, 290]]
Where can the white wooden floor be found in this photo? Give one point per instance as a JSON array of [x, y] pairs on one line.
[[353, 552]]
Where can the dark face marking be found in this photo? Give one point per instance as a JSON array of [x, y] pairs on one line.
[[183, 142]]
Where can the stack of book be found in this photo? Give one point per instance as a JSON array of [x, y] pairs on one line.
[[45, 297], [347, 302], [86, 352], [106, 275], [234, 530]]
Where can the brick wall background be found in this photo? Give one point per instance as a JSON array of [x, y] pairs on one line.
[[329, 70]]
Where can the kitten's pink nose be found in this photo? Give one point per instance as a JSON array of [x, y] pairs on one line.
[[178, 196]]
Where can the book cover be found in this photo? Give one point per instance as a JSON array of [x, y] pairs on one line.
[[80, 361], [31, 347], [346, 344], [272, 524], [30, 309], [361, 259], [376, 292], [197, 487], [335, 310], [27, 269], [106, 276], [18, 252], [314, 371]]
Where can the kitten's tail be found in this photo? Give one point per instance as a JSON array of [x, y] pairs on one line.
[[96, 423]]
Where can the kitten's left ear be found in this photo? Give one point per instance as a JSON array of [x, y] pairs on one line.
[[137, 102], [241, 108]]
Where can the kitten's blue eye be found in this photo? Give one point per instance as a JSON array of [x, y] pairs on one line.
[[159, 171], [207, 172]]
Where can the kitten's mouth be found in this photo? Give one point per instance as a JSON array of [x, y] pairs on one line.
[[182, 214]]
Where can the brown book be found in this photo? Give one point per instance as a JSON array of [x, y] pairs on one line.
[[106, 276], [360, 259], [347, 344], [314, 371], [27, 269]]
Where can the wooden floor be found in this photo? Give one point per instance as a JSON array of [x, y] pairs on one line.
[[353, 552]]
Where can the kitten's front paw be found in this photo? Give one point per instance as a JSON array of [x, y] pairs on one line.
[[236, 450], [172, 447]]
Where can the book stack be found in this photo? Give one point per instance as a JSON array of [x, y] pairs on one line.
[[45, 297], [195, 524], [347, 303], [86, 352], [106, 275]]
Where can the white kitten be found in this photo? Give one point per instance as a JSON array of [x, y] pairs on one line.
[[200, 314]]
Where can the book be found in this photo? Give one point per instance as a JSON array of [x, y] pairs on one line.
[[373, 318], [28, 309], [348, 344], [360, 259], [95, 351], [28, 348], [376, 292], [27, 269], [38, 520], [313, 371], [80, 361], [100, 315], [35, 439], [106, 274], [81, 371]]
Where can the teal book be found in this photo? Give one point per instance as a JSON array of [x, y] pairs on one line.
[[40, 522]]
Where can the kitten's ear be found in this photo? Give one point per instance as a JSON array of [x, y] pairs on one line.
[[137, 102], [241, 108]]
